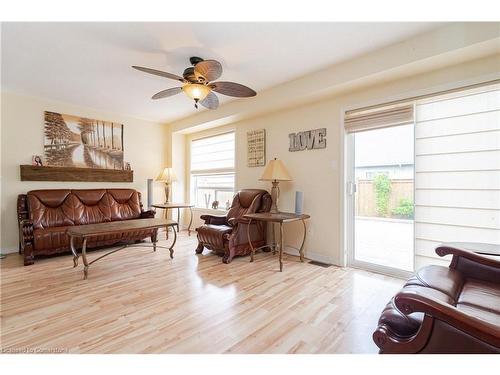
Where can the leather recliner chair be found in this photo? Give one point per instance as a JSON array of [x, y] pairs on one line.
[[227, 235], [445, 310]]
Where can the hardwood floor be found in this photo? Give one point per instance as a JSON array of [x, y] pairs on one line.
[[138, 301]]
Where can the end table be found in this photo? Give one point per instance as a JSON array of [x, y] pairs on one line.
[[281, 218], [167, 206]]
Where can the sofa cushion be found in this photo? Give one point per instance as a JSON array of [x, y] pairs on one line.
[[480, 313], [90, 206], [124, 204], [51, 208], [50, 240], [447, 281], [482, 295]]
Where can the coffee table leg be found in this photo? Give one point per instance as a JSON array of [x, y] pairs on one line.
[[84, 257], [166, 217], [178, 218], [73, 250], [190, 220], [252, 249], [155, 238], [171, 248], [301, 251], [281, 247]]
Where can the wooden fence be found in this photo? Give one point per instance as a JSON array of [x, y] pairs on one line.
[[366, 199]]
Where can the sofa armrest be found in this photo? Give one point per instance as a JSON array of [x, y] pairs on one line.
[[485, 260], [149, 214], [26, 232], [26, 241], [410, 302], [214, 219]]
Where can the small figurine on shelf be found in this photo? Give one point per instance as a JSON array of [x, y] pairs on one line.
[[228, 205], [127, 166], [215, 205], [36, 160]]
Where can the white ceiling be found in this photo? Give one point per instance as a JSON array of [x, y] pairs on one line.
[[88, 64]]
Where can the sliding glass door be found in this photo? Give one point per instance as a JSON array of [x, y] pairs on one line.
[[382, 199], [419, 174]]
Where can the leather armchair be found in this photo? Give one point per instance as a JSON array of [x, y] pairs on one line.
[[228, 235], [445, 310]]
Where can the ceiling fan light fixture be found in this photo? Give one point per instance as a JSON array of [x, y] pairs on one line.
[[196, 91]]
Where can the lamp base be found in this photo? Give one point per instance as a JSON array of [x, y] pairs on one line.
[[167, 193], [275, 194]]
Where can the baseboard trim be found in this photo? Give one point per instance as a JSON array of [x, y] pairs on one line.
[[311, 255], [9, 251]]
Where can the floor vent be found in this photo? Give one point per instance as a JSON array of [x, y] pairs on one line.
[[315, 263]]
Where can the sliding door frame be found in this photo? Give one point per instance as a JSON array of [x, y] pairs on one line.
[[350, 216]]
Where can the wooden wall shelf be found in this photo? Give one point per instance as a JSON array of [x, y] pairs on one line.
[[33, 173]]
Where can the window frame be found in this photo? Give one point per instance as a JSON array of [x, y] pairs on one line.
[[193, 173]]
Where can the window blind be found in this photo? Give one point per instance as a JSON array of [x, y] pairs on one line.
[[213, 154], [457, 169], [378, 117]]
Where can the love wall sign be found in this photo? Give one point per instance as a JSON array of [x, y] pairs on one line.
[[310, 140]]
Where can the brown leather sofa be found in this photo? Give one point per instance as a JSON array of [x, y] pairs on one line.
[[227, 235], [44, 216], [445, 310]]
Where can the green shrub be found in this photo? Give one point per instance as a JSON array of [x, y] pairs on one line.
[[405, 208], [382, 186]]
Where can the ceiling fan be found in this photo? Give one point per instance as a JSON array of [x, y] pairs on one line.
[[198, 83]]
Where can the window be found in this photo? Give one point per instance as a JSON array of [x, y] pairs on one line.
[[212, 171]]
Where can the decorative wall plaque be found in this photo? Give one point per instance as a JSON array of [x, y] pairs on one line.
[[256, 148], [310, 140]]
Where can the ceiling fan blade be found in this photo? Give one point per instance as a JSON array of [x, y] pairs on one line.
[[210, 69], [211, 101], [159, 73], [166, 93], [232, 89]]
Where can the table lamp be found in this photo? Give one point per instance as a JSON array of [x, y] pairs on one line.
[[167, 176], [275, 171]]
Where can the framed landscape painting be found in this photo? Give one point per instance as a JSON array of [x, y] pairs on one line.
[[72, 141]]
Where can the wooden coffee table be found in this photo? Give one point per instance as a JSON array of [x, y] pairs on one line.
[[281, 218], [93, 230]]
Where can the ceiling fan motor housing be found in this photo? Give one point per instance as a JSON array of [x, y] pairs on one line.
[[191, 76]]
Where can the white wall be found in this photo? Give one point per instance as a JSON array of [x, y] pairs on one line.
[[146, 148], [319, 173]]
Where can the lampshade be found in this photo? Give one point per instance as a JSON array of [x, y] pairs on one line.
[[167, 175], [196, 91], [275, 170]]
